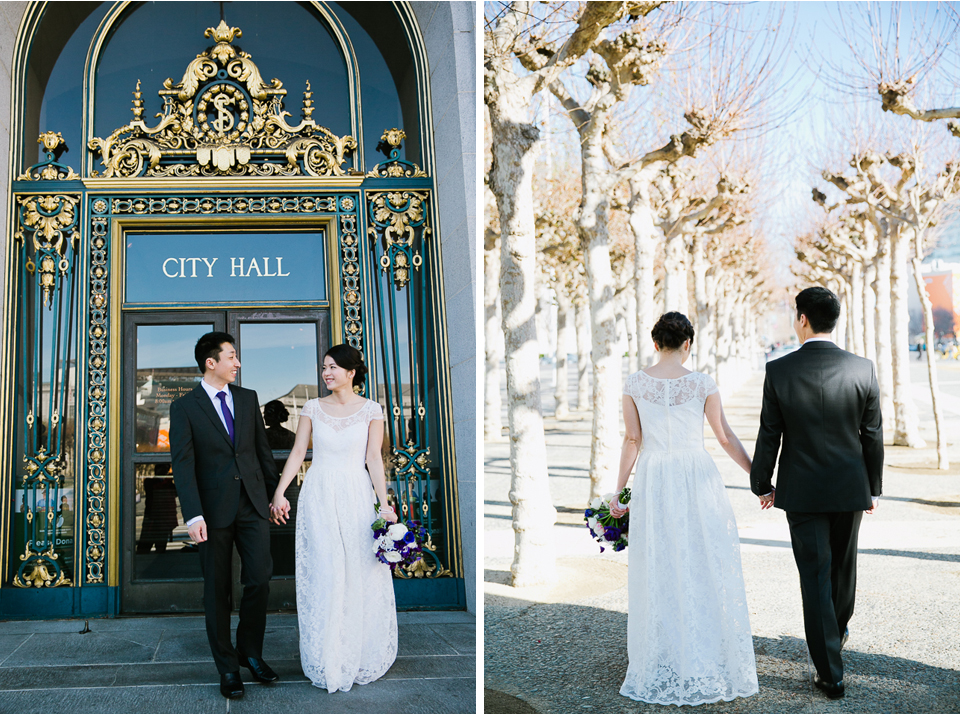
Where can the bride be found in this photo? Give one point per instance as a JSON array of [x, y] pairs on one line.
[[345, 604], [688, 631]]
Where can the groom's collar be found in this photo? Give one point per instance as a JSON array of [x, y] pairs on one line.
[[818, 342]]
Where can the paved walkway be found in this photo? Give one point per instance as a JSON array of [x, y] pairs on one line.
[[551, 648], [163, 665]]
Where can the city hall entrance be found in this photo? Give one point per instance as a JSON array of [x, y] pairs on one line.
[[280, 353]]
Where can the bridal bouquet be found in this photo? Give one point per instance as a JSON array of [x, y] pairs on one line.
[[604, 528], [398, 544]]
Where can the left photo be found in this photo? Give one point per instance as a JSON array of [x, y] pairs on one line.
[[238, 442]]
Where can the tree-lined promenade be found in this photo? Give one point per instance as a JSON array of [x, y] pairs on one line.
[[904, 649], [634, 166]]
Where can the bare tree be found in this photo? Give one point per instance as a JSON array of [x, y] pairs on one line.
[[514, 136]]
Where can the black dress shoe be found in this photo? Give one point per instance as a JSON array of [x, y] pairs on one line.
[[846, 636], [231, 686], [833, 691], [259, 669]]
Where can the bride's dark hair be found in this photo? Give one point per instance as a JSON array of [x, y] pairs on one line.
[[671, 331], [349, 358]]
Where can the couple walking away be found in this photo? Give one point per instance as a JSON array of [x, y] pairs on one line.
[[225, 476], [688, 636]]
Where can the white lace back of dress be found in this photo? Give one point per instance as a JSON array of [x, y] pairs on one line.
[[670, 410], [672, 392]]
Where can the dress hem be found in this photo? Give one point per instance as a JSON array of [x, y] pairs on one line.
[[739, 695]]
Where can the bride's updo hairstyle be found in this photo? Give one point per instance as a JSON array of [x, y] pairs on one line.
[[671, 331], [349, 358]]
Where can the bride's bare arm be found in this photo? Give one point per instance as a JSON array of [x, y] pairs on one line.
[[280, 506], [630, 449], [375, 465], [713, 408]]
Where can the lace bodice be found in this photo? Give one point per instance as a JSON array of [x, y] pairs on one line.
[[671, 410], [329, 435]]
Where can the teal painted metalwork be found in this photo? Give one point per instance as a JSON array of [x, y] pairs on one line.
[[398, 231], [47, 231]]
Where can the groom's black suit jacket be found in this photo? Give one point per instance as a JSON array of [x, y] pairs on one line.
[[824, 404], [208, 468]]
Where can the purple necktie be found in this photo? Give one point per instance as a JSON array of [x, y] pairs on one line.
[[225, 410]]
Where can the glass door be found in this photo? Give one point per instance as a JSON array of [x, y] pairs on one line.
[[280, 357], [160, 566], [280, 353]]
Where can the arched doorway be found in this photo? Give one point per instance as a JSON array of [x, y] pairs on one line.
[[229, 201]]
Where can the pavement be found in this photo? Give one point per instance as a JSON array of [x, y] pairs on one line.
[[549, 650], [163, 665]]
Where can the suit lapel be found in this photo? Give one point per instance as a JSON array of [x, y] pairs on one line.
[[237, 412], [206, 406]]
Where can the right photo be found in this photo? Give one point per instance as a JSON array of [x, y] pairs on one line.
[[721, 382]]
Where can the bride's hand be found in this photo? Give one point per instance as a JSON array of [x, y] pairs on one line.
[[279, 509], [615, 509], [388, 514]]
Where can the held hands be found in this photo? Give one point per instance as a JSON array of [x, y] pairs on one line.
[[198, 531], [767, 501], [279, 509]]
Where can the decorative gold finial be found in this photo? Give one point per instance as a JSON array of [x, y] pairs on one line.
[[137, 102], [50, 140], [308, 103], [223, 33], [394, 137]]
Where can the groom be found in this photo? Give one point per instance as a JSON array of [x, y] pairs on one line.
[[224, 471], [824, 404]]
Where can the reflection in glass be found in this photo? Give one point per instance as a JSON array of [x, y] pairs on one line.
[[279, 361], [163, 544], [166, 370]]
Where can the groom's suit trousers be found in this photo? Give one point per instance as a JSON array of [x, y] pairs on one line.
[[251, 533], [825, 548]]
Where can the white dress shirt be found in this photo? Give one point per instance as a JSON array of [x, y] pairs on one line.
[[212, 393]]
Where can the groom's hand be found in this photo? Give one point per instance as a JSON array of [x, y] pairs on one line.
[[767, 500], [198, 531]]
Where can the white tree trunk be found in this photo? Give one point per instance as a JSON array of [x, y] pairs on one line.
[[869, 307], [645, 253], [630, 318], [881, 287], [492, 343], [582, 321], [514, 139], [907, 424], [675, 275], [840, 331], [564, 323], [594, 235], [855, 303], [943, 461], [704, 311]]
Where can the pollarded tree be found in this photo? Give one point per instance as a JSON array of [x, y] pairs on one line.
[[879, 184], [514, 137]]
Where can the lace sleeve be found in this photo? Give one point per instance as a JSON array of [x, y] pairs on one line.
[[374, 411], [309, 409], [631, 385], [708, 385]]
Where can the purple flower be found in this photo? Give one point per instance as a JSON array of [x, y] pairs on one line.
[[611, 533], [409, 537]]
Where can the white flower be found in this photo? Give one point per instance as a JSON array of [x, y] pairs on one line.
[[397, 531], [608, 498], [393, 556], [624, 536], [596, 503], [592, 522], [599, 530]]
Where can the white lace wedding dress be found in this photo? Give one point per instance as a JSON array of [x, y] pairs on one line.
[[688, 638], [345, 604]]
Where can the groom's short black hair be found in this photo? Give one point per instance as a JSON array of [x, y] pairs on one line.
[[208, 347], [821, 307]]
